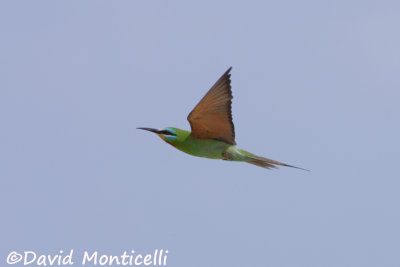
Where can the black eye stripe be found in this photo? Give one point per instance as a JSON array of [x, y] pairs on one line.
[[165, 132]]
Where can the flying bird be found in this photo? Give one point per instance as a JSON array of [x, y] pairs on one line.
[[213, 132]]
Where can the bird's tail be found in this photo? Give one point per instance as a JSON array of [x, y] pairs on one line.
[[265, 162]]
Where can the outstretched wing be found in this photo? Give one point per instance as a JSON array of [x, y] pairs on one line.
[[212, 117]]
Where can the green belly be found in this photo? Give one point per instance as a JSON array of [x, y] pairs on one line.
[[206, 148]]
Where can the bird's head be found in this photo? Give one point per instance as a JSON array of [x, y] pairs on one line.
[[169, 134]]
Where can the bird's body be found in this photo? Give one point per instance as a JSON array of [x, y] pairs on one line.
[[206, 148], [213, 134], [214, 149]]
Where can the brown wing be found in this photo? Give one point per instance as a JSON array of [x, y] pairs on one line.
[[212, 117]]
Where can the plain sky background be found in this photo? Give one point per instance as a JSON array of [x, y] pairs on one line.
[[316, 84]]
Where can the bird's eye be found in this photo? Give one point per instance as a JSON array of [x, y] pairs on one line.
[[166, 132]]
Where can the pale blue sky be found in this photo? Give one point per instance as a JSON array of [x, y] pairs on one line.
[[315, 84]]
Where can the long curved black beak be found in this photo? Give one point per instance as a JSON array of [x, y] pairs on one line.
[[149, 129]]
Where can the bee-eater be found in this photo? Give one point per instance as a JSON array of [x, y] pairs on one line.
[[213, 133]]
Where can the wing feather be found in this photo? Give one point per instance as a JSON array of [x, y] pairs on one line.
[[212, 116]]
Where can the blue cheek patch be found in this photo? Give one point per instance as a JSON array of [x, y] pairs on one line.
[[169, 137], [171, 130]]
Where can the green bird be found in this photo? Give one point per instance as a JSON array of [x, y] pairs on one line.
[[213, 132]]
